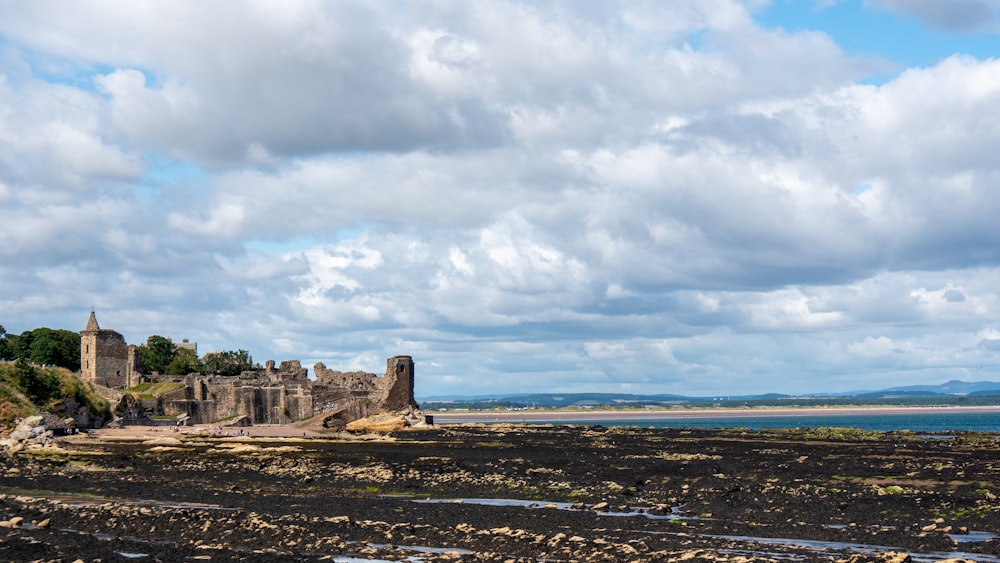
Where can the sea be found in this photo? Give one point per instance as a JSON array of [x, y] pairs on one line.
[[928, 422]]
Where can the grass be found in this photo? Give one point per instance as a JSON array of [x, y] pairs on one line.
[[973, 512], [61, 384], [150, 391], [13, 405], [495, 444], [49, 455]]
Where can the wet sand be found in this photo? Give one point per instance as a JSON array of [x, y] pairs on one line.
[[203, 430], [502, 492]]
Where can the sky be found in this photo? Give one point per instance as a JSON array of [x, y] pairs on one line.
[[698, 197]]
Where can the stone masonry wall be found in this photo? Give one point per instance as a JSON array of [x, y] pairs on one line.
[[210, 399], [276, 395], [103, 355], [111, 364], [397, 384]]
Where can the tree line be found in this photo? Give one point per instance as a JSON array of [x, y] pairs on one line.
[[42, 346], [161, 355], [57, 347]]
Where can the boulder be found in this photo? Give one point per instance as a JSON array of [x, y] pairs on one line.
[[29, 432], [31, 421], [381, 424]]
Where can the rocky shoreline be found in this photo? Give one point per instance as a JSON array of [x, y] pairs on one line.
[[505, 493]]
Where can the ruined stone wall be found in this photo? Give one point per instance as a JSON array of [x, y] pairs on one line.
[[290, 371], [329, 398], [299, 402], [348, 396], [268, 404], [207, 400], [396, 386], [351, 380], [103, 355], [195, 400], [178, 395], [277, 395], [201, 412], [110, 362], [133, 375], [112, 395]]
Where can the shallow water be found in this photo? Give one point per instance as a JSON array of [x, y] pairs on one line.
[[812, 545], [641, 511], [973, 536], [823, 545], [933, 422]]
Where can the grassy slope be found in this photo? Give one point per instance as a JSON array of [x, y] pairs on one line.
[[16, 400], [148, 391]]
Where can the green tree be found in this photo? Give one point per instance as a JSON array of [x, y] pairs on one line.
[[228, 362], [156, 354], [45, 346], [39, 385], [8, 345], [185, 361]]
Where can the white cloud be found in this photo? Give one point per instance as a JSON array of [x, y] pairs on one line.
[[224, 220], [530, 196], [790, 309], [52, 135], [875, 347]]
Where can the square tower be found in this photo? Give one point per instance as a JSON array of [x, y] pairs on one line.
[[103, 355], [398, 384]]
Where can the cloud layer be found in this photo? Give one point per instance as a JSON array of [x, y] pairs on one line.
[[645, 197]]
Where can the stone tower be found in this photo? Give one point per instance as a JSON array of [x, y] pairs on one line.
[[398, 383], [104, 358], [133, 375]]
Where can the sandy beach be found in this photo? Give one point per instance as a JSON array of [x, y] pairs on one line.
[[203, 430]]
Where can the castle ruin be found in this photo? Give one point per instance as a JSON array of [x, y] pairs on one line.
[[274, 395], [105, 359]]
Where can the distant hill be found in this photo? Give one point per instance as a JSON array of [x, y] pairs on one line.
[[951, 392], [953, 387]]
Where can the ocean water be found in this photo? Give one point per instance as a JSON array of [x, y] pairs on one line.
[[919, 422]]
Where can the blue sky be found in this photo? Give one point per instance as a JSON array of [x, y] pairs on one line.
[[897, 35], [694, 197]]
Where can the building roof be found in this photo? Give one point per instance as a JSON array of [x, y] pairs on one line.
[[92, 323]]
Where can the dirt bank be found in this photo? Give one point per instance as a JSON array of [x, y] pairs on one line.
[[503, 493]]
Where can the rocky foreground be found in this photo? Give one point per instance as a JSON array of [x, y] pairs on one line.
[[506, 493]]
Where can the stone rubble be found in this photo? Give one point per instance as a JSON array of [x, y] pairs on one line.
[[30, 433]]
